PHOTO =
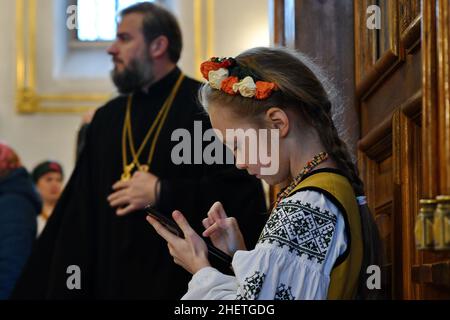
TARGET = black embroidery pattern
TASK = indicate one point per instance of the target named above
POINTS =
(283, 293)
(252, 287)
(303, 229)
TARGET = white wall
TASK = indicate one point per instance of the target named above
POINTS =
(238, 25)
(34, 137)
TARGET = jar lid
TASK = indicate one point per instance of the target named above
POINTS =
(443, 198)
(428, 201)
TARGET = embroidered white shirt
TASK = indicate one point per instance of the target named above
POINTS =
(292, 260)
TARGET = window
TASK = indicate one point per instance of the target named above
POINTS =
(97, 18)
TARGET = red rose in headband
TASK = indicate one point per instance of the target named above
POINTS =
(208, 66)
(264, 89)
(215, 64)
(227, 85)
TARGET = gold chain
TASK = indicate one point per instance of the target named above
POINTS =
(158, 123)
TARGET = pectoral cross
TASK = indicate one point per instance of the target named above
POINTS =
(126, 175)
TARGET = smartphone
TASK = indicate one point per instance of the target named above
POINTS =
(217, 256)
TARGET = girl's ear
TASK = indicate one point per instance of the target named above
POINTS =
(158, 47)
(277, 118)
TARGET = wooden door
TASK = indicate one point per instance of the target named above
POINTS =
(389, 94)
(431, 270)
(401, 96)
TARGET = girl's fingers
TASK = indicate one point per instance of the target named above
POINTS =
(220, 210)
(207, 223)
(162, 231)
(182, 223)
(210, 230)
(216, 212)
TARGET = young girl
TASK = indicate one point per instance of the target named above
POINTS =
(319, 238)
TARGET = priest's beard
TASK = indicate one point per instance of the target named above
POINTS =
(138, 74)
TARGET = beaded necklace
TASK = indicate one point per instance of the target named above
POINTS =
(318, 159)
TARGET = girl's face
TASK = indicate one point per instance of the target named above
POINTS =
(252, 146)
(50, 186)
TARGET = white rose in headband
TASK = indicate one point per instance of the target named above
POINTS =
(246, 87)
(216, 77)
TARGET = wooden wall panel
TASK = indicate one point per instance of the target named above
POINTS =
(277, 22)
(444, 94)
(330, 45)
(430, 178)
(391, 92)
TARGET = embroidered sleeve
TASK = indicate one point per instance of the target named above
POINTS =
(302, 227)
(293, 258)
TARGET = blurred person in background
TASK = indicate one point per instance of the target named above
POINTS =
(19, 206)
(48, 177)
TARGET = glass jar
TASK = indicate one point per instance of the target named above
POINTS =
(424, 224)
(441, 229)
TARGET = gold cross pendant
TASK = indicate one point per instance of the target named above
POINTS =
(126, 175)
(144, 168)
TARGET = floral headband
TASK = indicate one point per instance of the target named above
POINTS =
(227, 75)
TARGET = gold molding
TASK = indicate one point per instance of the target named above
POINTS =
(202, 50)
(198, 37)
(28, 100)
(210, 10)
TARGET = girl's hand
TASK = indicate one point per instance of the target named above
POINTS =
(224, 232)
(191, 253)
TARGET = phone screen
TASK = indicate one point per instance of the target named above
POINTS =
(214, 253)
(165, 221)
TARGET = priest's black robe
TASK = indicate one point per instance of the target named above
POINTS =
(123, 257)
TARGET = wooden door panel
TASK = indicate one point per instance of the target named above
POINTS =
(432, 271)
(410, 18)
(390, 97)
(408, 163)
(376, 167)
(377, 50)
(409, 11)
(402, 91)
(383, 182)
(444, 94)
(395, 88)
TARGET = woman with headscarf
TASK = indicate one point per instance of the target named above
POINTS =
(19, 206)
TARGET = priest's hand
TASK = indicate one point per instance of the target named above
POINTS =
(135, 194)
(223, 231)
(191, 253)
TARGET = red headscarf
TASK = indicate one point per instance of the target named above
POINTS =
(9, 160)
